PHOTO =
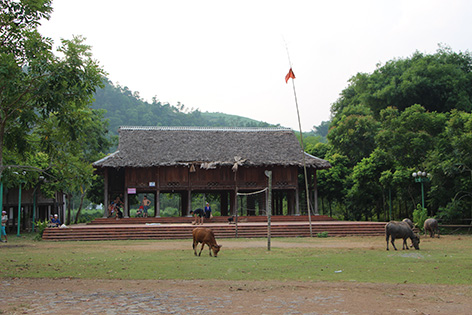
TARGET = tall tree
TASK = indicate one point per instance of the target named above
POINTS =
(34, 83)
(416, 111)
(352, 133)
(439, 82)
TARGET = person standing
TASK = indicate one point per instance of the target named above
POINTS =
(146, 203)
(4, 224)
(208, 214)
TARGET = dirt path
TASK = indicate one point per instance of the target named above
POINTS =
(74, 296)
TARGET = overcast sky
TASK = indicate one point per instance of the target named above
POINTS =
(231, 56)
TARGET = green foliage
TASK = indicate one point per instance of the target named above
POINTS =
(454, 211)
(48, 132)
(40, 227)
(170, 212)
(417, 112)
(89, 216)
(353, 133)
(322, 234)
(439, 82)
(420, 215)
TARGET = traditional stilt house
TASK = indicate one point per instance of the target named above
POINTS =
(222, 161)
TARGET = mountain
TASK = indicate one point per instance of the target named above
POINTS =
(126, 108)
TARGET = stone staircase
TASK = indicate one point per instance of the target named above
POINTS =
(181, 228)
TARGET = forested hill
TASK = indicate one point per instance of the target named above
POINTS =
(126, 108)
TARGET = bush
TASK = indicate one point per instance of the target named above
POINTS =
(170, 212)
(453, 212)
(322, 234)
(89, 216)
(420, 215)
(40, 226)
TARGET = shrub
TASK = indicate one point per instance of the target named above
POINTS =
(420, 215)
(170, 212)
(40, 226)
(322, 234)
(89, 216)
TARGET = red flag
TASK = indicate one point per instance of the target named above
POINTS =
(289, 75)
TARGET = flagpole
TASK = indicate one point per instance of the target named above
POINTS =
(303, 154)
(292, 75)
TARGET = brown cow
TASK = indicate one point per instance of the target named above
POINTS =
(205, 236)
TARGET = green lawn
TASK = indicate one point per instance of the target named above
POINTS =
(447, 260)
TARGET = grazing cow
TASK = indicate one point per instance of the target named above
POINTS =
(205, 236)
(402, 230)
(431, 226)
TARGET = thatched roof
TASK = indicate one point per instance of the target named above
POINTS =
(207, 148)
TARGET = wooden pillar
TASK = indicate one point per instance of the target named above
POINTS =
(189, 202)
(281, 203)
(157, 203)
(106, 202)
(297, 201)
(251, 205)
(126, 205)
(224, 203)
(290, 202)
(184, 208)
(233, 202)
(315, 191)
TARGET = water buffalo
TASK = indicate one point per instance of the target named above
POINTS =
(431, 226)
(205, 236)
(409, 222)
(395, 229)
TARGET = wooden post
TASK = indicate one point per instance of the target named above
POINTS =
(269, 208)
(315, 188)
(106, 202)
(157, 203)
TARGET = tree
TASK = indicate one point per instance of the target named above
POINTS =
(34, 83)
(366, 195)
(439, 82)
(353, 131)
(451, 166)
(46, 124)
(416, 111)
(72, 159)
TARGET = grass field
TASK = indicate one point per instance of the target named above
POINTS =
(447, 260)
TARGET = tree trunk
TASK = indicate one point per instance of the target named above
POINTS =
(80, 206)
(69, 207)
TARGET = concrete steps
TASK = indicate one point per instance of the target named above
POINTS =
(162, 231)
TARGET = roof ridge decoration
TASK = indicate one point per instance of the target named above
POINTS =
(184, 128)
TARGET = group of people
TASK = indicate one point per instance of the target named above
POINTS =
(199, 214)
(114, 209)
(54, 221)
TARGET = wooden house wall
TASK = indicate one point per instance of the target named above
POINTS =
(140, 177)
(172, 177)
(285, 177)
(221, 178)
